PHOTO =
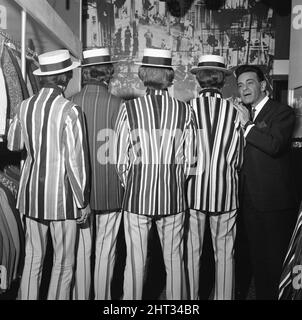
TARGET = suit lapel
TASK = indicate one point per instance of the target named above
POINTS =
(261, 115)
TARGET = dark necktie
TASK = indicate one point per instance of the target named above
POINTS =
(253, 111)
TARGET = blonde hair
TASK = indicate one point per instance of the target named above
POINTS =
(156, 77)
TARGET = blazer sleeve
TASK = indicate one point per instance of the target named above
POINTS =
(190, 141)
(274, 138)
(122, 144)
(15, 140)
(77, 160)
(241, 144)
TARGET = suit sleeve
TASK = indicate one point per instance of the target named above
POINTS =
(274, 138)
(122, 144)
(77, 160)
(191, 144)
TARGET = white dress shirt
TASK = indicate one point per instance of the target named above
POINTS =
(258, 108)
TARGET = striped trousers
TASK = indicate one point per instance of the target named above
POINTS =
(63, 235)
(107, 226)
(81, 284)
(223, 232)
(171, 235)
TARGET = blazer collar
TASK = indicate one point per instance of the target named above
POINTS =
(210, 92)
(265, 109)
(157, 92)
(56, 89)
(96, 83)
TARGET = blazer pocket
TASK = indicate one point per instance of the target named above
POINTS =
(261, 124)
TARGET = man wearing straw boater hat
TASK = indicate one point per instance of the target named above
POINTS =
(213, 191)
(55, 175)
(154, 149)
(100, 108)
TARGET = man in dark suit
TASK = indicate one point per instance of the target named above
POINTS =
(268, 202)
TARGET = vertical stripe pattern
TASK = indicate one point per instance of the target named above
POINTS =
(81, 285)
(35, 247)
(101, 109)
(63, 235)
(55, 176)
(290, 280)
(220, 144)
(137, 228)
(107, 226)
(223, 232)
(154, 149)
(171, 235)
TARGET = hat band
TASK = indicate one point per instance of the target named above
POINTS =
(157, 60)
(211, 64)
(96, 59)
(55, 66)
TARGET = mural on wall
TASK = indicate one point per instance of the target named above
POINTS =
(240, 30)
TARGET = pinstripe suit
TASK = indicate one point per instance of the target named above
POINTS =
(214, 190)
(53, 185)
(100, 109)
(155, 146)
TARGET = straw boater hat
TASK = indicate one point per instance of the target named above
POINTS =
(211, 61)
(96, 56)
(156, 58)
(55, 62)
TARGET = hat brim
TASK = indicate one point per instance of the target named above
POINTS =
(38, 72)
(154, 65)
(104, 62)
(226, 71)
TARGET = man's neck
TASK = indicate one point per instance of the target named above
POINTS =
(258, 101)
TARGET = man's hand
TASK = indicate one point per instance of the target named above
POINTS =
(244, 114)
(85, 213)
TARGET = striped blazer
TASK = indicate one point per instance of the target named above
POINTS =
(55, 176)
(101, 109)
(155, 147)
(214, 188)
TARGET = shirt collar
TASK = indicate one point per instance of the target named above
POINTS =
(260, 105)
(210, 92)
(157, 92)
(56, 88)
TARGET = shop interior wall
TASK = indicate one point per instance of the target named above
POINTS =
(107, 25)
(38, 38)
(70, 11)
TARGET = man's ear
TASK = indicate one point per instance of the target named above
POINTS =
(263, 86)
(63, 77)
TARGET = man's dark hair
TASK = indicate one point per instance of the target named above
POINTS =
(60, 79)
(250, 68)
